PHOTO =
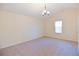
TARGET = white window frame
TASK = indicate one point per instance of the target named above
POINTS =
(58, 26)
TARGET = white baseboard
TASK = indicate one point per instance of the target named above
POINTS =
(19, 42)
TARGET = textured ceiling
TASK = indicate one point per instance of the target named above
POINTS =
(35, 9)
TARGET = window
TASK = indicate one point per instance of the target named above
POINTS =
(58, 26)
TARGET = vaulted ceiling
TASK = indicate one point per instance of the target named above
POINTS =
(35, 9)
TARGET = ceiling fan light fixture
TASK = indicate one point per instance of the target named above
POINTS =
(48, 12)
(45, 11)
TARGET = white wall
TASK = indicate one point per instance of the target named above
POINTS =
(69, 19)
(16, 28)
(78, 29)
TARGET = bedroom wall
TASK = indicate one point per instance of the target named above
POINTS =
(69, 19)
(16, 28)
(78, 29)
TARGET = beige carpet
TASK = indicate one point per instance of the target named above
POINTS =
(42, 47)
